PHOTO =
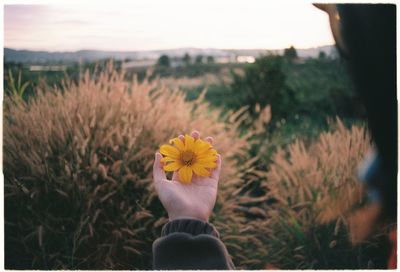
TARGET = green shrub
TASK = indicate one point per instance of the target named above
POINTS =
(263, 83)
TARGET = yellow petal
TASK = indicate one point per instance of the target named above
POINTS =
(204, 158)
(168, 159)
(189, 142)
(208, 153)
(199, 170)
(172, 166)
(210, 165)
(207, 159)
(185, 174)
(178, 143)
(201, 146)
(170, 151)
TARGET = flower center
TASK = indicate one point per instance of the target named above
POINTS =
(187, 157)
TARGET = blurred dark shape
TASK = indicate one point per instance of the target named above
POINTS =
(199, 59)
(164, 61)
(186, 59)
(210, 59)
(368, 32)
(290, 53)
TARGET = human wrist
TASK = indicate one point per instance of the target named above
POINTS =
(184, 217)
(190, 226)
(190, 214)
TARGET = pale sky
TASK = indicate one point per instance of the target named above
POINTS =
(152, 24)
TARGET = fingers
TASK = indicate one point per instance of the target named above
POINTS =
(215, 172)
(209, 139)
(175, 175)
(158, 171)
(195, 134)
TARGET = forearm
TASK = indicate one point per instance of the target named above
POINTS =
(190, 244)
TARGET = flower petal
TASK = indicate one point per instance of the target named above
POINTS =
(207, 159)
(178, 143)
(199, 170)
(210, 165)
(185, 174)
(201, 146)
(170, 151)
(208, 153)
(172, 166)
(168, 159)
(189, 142)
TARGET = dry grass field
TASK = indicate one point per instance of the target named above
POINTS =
(79, 193)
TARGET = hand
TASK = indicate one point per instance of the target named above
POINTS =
(195, 200)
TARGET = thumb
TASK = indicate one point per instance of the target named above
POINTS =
(158, 171)
(215, 173)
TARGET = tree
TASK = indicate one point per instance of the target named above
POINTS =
(164, 61)
(210, 59)
(322, 55)
(199, 59)
(263, 83)
(186, 59)
(290, 53)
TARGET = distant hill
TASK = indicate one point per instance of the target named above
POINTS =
(28, 56)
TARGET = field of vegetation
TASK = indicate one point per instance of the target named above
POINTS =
(79, 148)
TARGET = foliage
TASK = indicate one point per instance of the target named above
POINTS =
(322, 55)
(311, 189)
(290, 53)
(186, 59)
(191, 70)
(316, 89)
(16, 88)
(263, 83)
(210, 59)
(323, 88)
(78, 157)
(199, 59)
(77, 165)
(164, 61)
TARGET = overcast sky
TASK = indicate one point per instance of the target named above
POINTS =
(152, 24)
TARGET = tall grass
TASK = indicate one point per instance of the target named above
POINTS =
(311, 191)
(320, 180)
(79, 193)
(77, 164)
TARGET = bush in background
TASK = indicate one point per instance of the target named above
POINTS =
(263, 83)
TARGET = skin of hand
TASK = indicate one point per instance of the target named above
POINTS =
(195, 200)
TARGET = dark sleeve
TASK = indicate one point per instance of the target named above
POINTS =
(190, 244)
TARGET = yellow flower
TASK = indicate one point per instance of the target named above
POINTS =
(188, 157)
